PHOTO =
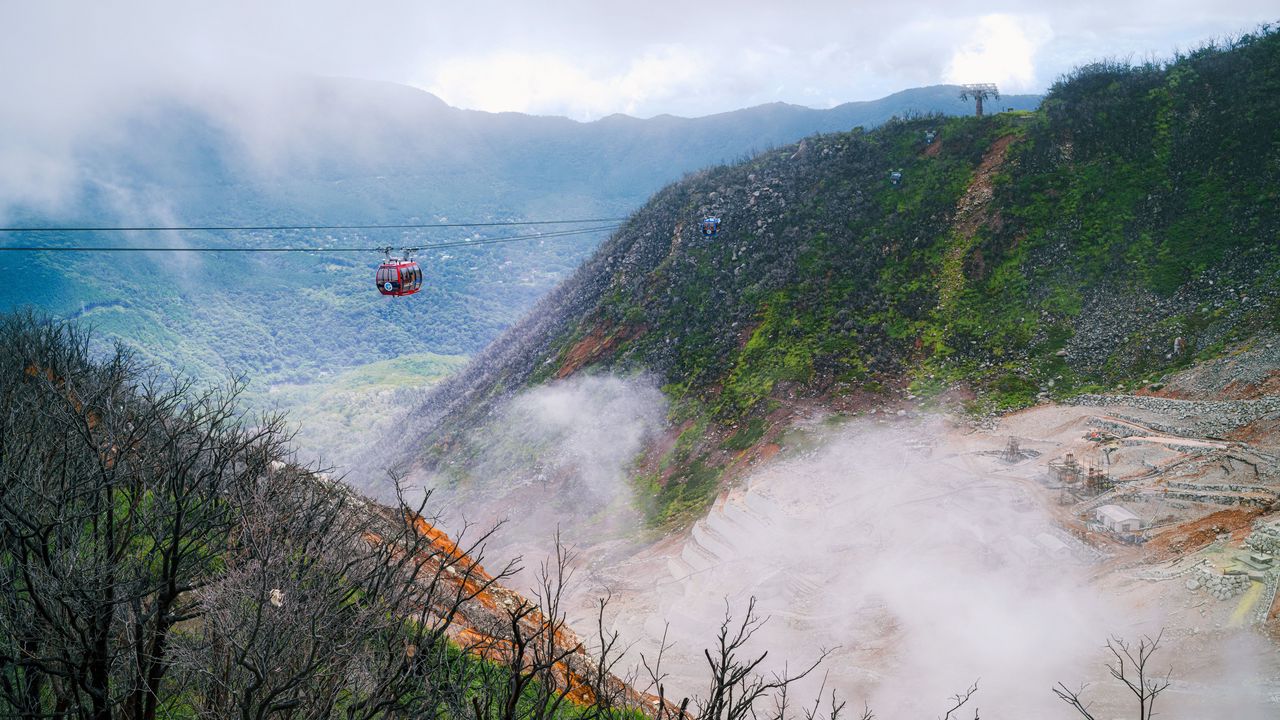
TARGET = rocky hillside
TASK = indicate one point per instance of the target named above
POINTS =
(343, 151)
(1123, 230)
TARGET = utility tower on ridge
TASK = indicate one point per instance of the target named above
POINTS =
(977, 92)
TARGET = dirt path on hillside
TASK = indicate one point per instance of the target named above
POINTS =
(973, 211)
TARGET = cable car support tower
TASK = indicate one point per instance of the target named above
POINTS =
(977, 92)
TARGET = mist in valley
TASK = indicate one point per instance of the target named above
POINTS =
(555, 458)
(899, 547)
(918, 572)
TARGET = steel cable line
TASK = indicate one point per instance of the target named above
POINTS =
(249, 228)
(315, 249)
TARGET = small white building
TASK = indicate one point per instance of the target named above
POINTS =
(1053, 546)
(1117, 519)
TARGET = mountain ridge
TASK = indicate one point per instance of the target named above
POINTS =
(336, 152)
(1115, 236)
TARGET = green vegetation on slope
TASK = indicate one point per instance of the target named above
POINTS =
(348, 152)
(338, 416)
(1125, 228)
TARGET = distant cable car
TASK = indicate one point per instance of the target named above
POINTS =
(895, 177)
(399, 276)
(710, 226)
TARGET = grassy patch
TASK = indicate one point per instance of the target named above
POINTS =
(686, 495)
(748, 434)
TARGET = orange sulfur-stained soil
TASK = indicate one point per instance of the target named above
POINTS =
(600, 342)
(1192, 536)
(485, 624)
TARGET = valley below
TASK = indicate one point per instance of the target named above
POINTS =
(322, 397)
(926, 549)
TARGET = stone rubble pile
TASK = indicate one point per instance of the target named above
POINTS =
(1217, 584)
(1195, 418)
(1265, 537)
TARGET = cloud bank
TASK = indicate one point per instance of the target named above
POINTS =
(81, 78)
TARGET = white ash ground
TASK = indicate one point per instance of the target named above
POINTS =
(930, 561)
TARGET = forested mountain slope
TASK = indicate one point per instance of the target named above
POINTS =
(337, 151)
(1126, 228)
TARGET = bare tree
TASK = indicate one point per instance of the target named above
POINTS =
(657, 683)
(737, 688)
(113, 511)
(959, 700)
(159, 557)
(1130, 666)
(146, 526)
(333, 606)
(546, 667)
(735, 685)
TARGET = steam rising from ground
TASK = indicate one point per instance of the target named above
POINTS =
(926, 566)
(593, 428)
(557, 458)
(926, 574)
(923, 563)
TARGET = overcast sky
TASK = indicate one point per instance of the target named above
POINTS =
(591, 58)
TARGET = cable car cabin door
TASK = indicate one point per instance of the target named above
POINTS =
(387, 279)
(410, 278)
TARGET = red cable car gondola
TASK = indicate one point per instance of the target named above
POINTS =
(398, 276)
